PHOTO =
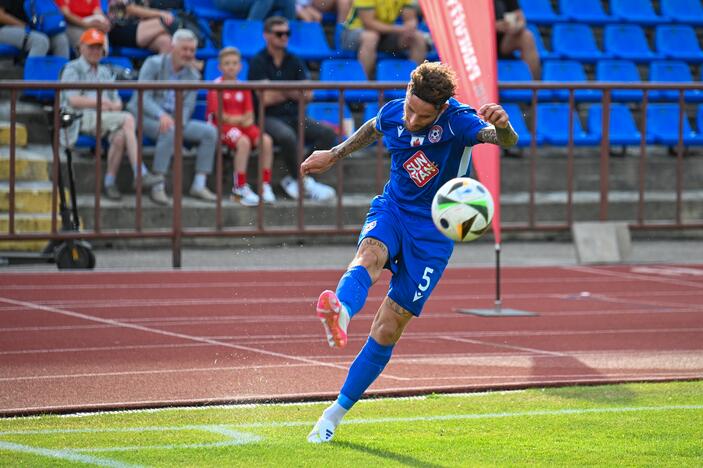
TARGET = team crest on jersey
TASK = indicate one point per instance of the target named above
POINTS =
(420, 168)
(368, 227)
(417, 140)
(435, 134)
(239, 96)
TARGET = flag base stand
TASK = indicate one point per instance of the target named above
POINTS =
(497, 311)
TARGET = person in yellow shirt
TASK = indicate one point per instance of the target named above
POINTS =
(372, 25)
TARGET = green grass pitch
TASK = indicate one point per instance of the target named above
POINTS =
(632, 425)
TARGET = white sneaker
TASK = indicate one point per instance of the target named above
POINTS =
(317, 191)
(323, 431)
(245, 195)
(290, 186)
(267, 194)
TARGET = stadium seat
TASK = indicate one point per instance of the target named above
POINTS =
(569, 71)
(539, 12)
(43, 68)
(516, 70)
(370, 110)
(663, 126)
(517, 120)
(623, 130)
(344, 70)
(8, 51)
(394, 70)
(623, 71)
(678, 42)
(544, 53)
(133, 53)
(212, 71)
(636, 11)
(627, 41)
(308, 41)
(672, 71)
(339, 52)
(699, 119)
(584, 11)
(125, 64)
(553, 123)
(683, 11)
(206, 10)
(245, 35)
(576, 41)
(328, 114)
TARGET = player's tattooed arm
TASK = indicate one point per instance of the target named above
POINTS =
(362, 138)
(504, 137)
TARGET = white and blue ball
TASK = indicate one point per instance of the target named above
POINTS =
(462, 209)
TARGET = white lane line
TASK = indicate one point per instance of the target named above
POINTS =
(504, 346)
(68, 455)
(622, 276)
(156, 331)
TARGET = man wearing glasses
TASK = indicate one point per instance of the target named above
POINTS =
(276, 63)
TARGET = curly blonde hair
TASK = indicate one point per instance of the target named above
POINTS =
(433, 82)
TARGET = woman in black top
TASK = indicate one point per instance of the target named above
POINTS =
(134, 24)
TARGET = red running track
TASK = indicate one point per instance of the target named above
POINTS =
(89, 341)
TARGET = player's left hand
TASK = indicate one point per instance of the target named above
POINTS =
(494, 114)
(318, 162)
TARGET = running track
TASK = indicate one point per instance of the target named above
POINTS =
(107, 340)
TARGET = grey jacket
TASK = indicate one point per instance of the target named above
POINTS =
(159, 68)
(79, 70)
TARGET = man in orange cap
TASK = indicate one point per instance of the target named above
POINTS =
(116, 124)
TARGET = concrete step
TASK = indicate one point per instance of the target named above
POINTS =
(25, 223)
(31, 163)
(6, 133)
(30, 197)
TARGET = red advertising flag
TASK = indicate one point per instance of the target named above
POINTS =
(464, 33)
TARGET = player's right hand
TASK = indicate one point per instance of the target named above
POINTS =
(318, 162)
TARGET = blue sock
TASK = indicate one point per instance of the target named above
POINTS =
(109, 179)
(353, 288)
(368, 365)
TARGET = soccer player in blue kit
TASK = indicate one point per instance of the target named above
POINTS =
(428, 135)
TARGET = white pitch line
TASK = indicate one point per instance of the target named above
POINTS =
(68, 455)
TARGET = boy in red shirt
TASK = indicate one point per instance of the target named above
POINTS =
(239, 131)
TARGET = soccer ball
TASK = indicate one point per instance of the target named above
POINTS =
(462, 209)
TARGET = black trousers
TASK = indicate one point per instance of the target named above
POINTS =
(284, 131)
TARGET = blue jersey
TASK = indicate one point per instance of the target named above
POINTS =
(422, 162)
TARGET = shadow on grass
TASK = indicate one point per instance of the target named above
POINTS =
(387, 455)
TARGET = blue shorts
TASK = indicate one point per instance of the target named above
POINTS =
(417, 252)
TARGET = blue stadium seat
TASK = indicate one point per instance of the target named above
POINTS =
(394, 70)
(212, 71)
(672, 71)
(133, 53)
(517, 70)
(544, 53)
(663, 126)
(636, 11)
(623, 71)
(308, 41)
(553, 123)
(678, 42)
(539, 12)
(199, 111)
(432, 54)
(45, 68)
(341, 53)
(245, 35)
(370, 110)
(683, 11)
(8, 51)
(569, 71)
(584, 11)
(576, 41)
(517, 120)
(328, 114)
(126, 64)
(623, 130)
(344, 70)
(627, 41)
(206, 10)
(699, 119)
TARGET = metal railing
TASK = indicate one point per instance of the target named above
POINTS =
(177, 231)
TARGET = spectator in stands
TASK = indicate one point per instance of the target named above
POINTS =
(115, 123)
(159, 106)
(371, 26)
(81, 15)
(239, 131)
(512, 35)
(14, 32)
(258, 9)
(276, 63)
(312, 10)
(136, 25)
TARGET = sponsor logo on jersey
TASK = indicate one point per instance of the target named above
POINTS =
(368, 227)
(435, 134)
(417, 140)
(420, 168)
